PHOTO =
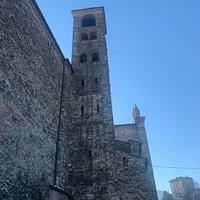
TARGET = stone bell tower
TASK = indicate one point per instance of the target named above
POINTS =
(91, 130)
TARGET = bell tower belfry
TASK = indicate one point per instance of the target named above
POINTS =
(92, 127)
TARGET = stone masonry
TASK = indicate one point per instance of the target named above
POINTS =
(57, 137)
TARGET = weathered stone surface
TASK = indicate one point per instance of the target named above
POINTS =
(30, 88)
(91, 125)
(134, 176)
(57, 138)
(103, 164)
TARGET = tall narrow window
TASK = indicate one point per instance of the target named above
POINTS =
(140, 149)
(83, 83)
(84, 36)
(82, 110)
(97, 108)
(93, 36)
(146, 165)
(95, 80)
(90, 154)
(95, 57)
(125, 162)
(83, 58)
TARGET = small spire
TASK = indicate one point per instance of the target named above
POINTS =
(136, 113)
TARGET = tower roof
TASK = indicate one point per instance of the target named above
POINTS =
(92, 10)
(85, 10)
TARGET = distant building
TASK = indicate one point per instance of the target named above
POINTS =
(183, 188)
(198, 193)
(160, 194)
(167, 196)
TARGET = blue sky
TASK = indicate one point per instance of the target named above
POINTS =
(154, 59)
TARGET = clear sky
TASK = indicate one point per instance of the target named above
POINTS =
(154, 59)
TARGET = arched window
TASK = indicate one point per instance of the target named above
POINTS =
(84, 36)
(83, 58)
(95, 57)
(88, 21)
(93, 36)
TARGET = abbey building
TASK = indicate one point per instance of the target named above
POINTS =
(57, 137)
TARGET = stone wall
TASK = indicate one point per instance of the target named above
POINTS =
(133, 174)
(56, 126)
(31, 67)
(91, 125)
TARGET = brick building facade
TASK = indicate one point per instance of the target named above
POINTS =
(57, 136)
